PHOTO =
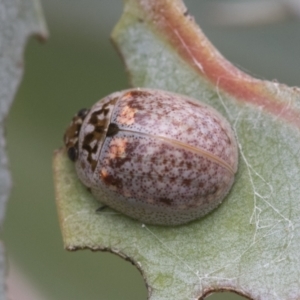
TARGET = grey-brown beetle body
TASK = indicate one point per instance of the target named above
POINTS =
(158, 157)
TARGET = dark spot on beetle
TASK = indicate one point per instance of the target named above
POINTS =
(204, 169)
(166, 201)
(82, 113)
(72, 153)
(135, 101)
(153, 159)
(138, 93)
(173, 179)
(94, 116)
(71, 135)
(112, 130)
(189, 165)
(88, 139)
(186, 13)
(131, 146)
(167, 169)
(106, 105)
(189, 130)
(118, 162)
(110, 180)
(105, 111)
(100, 129)
(160, 178)
(139, 159)
(181, 163)
(94, 119)
(91, 151)
(87, 147)
(187, 182)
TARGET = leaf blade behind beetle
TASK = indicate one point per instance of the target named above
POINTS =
(249, 244)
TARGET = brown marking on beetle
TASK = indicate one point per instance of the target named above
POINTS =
(96, 135)
(123, 154)
(166, 201)
(100, 129)
(189, 165)
(201, 185)
(136, 94)
(94, 118)
(139, 159)
(88, 139)
(132, 111)
(204, 169)
(173, 179)
(187, 182)
(118, 162)
(135, 101)
(112, 181)
(72, 132)
(93, 164)
(189, 130)
(91, 151)
(153, 159)
(100, 122)
(105, 111)
(181, 164)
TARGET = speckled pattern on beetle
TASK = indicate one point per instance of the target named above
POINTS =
(158, 157)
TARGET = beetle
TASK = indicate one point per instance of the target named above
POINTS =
(158, 157)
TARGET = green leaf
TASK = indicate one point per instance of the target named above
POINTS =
(19, 20)
(250, 243)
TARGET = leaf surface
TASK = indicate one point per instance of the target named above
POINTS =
(250, 243)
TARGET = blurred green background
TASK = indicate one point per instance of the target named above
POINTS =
(72, 70)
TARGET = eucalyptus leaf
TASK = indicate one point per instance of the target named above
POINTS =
(250, 243)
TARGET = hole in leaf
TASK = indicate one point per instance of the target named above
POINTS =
(224, 296)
